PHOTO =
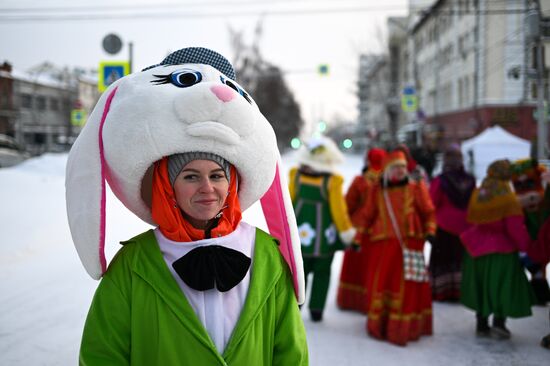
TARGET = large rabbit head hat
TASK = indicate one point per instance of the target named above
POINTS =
(188, 102)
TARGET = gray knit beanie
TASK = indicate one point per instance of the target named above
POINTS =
(177, 162)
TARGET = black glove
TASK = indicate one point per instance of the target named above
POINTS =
(431, 239)
(528, 263)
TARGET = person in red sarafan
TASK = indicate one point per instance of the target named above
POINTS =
(352, 290)
(401, 216)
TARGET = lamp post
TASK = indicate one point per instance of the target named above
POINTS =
(534, 32)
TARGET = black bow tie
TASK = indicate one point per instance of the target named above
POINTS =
(213, 265)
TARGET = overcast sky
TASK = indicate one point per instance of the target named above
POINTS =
(298, 35)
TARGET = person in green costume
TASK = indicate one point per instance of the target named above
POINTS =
(186, 149)
(321, 214)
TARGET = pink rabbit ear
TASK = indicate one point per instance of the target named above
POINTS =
(281, 222)
(85, 191)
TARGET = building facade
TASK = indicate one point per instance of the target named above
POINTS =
(36, 106)
(470, 65)
(373, 96)
(7, 105)
(472, 58)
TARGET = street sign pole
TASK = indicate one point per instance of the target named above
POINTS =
(541, 123)
(130, 56)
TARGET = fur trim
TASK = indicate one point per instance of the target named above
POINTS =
(321, 154)
(348, 236)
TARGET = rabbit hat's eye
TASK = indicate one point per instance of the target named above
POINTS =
(180, 78)
(237, 88)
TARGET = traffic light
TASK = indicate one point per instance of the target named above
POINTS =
(323, 69)
(295, 143)
(321, 126)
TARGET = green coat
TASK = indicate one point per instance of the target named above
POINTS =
(140, 316)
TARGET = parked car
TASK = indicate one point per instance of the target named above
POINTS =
(10, 152)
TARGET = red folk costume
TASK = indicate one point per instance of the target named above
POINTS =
(400, 301)
(352, 290)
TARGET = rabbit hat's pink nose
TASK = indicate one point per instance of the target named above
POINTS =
(223, 92)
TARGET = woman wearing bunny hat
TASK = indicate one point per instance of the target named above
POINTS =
(175, 143)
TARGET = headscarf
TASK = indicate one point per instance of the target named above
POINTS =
(456, 183)
(494, 200)
(374, 159)
(169, 218)
(396, 157)
(411, 163)
(527, 176)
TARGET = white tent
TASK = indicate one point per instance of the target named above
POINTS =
(492, 144)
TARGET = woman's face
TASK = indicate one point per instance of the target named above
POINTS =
(398, 172)
(201, 189)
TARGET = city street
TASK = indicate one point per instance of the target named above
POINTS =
(45, 292)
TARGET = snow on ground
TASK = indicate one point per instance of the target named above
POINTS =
(45, 292)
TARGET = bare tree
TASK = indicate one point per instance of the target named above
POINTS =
(265, 83)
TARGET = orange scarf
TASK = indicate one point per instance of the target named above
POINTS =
(169, 218)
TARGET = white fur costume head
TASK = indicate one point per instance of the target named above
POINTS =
(161, 111)
(321, 154)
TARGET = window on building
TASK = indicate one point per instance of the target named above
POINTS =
(54, 104)
(39, 138)
(447, 102)
(40, 103)
(26, 101)
(460, 94)
(467, 93)
(462, 46)
(4, 94)
(545, 31)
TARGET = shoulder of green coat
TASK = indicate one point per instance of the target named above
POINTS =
(266, 239)
(126, 255)
(146, 235)
(271, 245)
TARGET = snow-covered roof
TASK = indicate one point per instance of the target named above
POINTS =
(38, 78)
(48, 77)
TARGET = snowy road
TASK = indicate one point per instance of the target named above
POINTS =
(45, 292)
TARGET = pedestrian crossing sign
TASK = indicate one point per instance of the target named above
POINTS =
(409, 100)
(111, 71)
(78, 117)
(409, 103)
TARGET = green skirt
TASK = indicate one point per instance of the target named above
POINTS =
(496, 284)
